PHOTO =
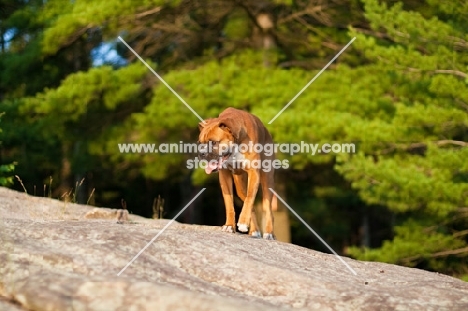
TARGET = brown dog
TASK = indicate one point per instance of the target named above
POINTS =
(224, 142)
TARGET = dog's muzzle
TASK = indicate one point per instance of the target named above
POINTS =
(214, 160)
(208, 152)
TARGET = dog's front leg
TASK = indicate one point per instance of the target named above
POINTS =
(225, 180)
(252, 188)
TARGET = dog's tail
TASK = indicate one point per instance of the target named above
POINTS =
(274, 203)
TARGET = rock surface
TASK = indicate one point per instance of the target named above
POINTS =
(54, 258)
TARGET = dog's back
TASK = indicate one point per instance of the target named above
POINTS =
(249, 121)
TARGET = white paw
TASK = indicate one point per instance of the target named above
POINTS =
(242, 227)
(256, 234)
(229, 229)
(269, 236)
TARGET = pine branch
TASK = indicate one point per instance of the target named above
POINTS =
(459, 251)
(307, 11)
(460, 233)
(453, 72)
(149, 12)
(440, 143)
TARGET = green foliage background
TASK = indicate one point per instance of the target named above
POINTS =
(399, 93)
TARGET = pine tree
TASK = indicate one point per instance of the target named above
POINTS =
(413, 154)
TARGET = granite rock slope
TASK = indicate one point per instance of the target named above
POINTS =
(62, 256)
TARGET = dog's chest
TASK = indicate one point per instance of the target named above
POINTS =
(236, 163)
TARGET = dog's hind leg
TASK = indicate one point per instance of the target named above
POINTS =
(240, 181)
(254, 229)
(267, 182)
(225, 180)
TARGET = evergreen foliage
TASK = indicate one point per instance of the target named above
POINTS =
(399, 93)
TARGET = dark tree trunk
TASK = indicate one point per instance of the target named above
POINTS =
(64, 186)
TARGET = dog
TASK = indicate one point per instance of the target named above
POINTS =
(220, 142)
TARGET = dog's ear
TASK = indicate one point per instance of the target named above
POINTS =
(235, 127)
(202, 125)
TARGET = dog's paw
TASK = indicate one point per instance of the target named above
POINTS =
(269, 236)
(256, 234)
(229, 229)
(242, 227)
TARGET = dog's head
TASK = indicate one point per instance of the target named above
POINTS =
(217, 140)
